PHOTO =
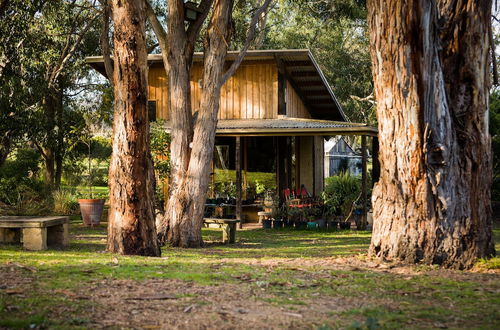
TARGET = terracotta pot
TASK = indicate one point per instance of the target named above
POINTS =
(91, 210)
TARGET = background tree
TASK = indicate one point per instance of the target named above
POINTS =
(62, 38)
(430, 70)
(16, 95)
(131, 222)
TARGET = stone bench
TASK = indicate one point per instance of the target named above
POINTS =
(36, 233)
(228, 228)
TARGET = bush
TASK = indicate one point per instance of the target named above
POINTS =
(21, 192)
(340, 194)
(65, 202)
(24, 196)
(23, 164)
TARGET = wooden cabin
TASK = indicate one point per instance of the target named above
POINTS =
(274, 114)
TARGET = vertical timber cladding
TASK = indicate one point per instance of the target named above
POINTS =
(295, 108)
(158, 90)
(252, 93)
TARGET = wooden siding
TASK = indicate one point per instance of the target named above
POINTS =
(252, 93)
(295, 108)
(157, 90)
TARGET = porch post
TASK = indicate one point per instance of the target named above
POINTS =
(281, 165)
(375, 161)
(238, 181)
(363, 182)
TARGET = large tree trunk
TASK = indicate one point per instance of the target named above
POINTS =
(430, 69)
(131, 226)
(190, 176)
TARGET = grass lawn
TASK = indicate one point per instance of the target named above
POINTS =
(268, 279)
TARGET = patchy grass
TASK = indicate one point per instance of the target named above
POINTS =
(283, 278)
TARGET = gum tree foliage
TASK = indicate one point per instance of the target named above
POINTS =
(16, 94)
(66, 33)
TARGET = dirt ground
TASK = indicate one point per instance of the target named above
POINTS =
(176, 304)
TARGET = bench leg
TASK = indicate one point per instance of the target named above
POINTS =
(35, 238)
(225, 233)
(10, 235)
(232, 233)
(58, 235)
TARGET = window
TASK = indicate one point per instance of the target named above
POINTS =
(152, 111)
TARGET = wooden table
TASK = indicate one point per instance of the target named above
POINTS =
(36, 233)
(228, 228)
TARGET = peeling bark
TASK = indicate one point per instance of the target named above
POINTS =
(430, 68)
(131, 224)
(190, 178)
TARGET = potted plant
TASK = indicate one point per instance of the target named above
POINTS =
(293, 216)
(92, 207)
(278, 216)
(310, 215)
(320, 218)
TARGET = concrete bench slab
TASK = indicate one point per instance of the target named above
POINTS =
(36, 233)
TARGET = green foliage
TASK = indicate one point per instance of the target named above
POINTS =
(260, 188)
(160, 148)
(21, 191)
(65, 202)
(24, 163)
(340, 194)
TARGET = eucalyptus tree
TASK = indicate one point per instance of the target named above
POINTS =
(193, 138)
(131, 222)
(432, 80)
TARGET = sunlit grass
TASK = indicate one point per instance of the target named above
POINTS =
(287, 262)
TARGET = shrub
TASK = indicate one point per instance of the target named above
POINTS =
(65, 202)
(24, 196)
(340, 194)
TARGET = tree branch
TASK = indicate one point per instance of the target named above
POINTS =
(104, 40)
(70, 53)
(250, 37)
(159, 31)
(493, 56)
(195, 27)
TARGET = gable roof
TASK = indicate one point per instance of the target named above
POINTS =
(297, 65)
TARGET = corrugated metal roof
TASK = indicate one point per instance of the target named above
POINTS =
(289, 127)
(297, 65)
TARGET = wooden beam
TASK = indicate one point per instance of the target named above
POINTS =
(238, 180)
(363, 183)
(281, 176)
(299, 63)
(322, 92)
(310, 83)
(281, 94)
(375, 160)
(304, 74)
(288, 77)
